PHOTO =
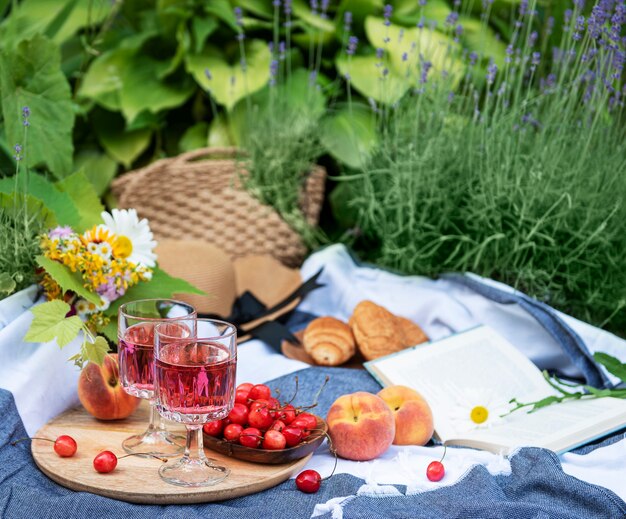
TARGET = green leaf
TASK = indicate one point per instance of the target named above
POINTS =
(67, 280)
(123, 146)
(202, 27)
(366, 77)
(229, 83)
(439, 49)
(350, 135)
(31, 76)
(220, 134)
(612, 365)
(85, 199)
(50, 323)
(110, 330)
(33, 207)
(302, 10)
(95, 351)
(545, 402)
(58, 203)
(259, 7)
(98, 168)
(195, 137)
(162, 285)
(60, 18)
(7, 284)
(223, 10)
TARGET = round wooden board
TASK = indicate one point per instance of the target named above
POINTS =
(296, 352)
(136, 479)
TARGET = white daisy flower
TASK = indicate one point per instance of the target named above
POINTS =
(133, 238)
(82, 307)
(477, 408)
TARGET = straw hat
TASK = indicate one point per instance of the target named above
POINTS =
(210, 269)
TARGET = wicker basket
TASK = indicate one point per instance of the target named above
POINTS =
(198, 195)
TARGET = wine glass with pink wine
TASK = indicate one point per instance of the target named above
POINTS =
(136, 323)
(194, 383)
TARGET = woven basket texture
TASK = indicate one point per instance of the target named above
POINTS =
(199, 195)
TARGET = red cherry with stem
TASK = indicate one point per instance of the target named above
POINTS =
(65, 446)
(435, 470)
(105, 462)
(292, 435)
(309, 481)
(250, 437)
(232, 432)
(274, 440)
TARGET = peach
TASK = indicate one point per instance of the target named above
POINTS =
(413, 417)
(101, 393)
(361, 426)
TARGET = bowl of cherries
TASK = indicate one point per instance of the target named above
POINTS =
(262, 430)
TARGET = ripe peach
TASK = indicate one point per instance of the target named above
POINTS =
(100, 391)
(413, 417)
(361, 426)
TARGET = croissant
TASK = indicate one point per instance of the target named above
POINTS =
(378, 332)
(329, 341)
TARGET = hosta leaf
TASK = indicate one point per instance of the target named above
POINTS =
(162, 285)
(67, 280)
(85, 199)
(49, 322)
(350, 135)
(98, 167)
(195, 137)
(433, 46)
(31, 76)
(123, 146)
(366, 77)
(229, 83)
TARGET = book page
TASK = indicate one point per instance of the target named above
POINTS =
(460, 372)
(559, 427)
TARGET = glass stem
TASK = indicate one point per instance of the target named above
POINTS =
(197, 454)
(156, 423)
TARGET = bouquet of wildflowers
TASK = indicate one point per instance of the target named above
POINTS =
(109, 258)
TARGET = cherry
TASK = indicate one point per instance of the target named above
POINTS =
(435, 470)
(260, 418)
(239, 414)
(286, 414)
(274, 407)
(106, 461)
(250, 437)
(213, 428)
(274, 441)
(246, 386)
(292, 435)
(232, 432)
(309, 421)
(241, 396)
(308, 481)
(278, 425)
(65, 446)
(259, 404)
(260, 391)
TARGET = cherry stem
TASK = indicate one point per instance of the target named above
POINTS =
(332, 449)
(164, 460)
(444, 452)
(295, 391)
(34, 438)
(320, 390)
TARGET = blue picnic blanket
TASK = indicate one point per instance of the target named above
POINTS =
(537, 487)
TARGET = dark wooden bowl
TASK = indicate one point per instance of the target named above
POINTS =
(277, 457)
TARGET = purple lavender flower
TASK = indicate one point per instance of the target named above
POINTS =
(492, 69)
(452, 18)
(60, 232)
(380, 53)
(426, 66)
(523, 7)
(405, 56)
(387, 10)
(287, 7)
(313, 77)
(314, 6)
(509, 53)
(276, 3)
(536, 58)
(579, 4)
(324, 8)
(532, 38)
(458, 30)
(353, 41)
(25, 116)
(450, 97)
(273, 71)
(281, 50)
(385, 72)
(347, 21)
(420, 24)
(473, 57)
(422, 3)
(208, 74)
(567, 16)
(238, 16)
(579, 28)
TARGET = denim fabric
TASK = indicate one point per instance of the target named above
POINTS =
(569, 340)
(536, 488)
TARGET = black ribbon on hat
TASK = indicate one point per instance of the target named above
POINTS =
(247, 308)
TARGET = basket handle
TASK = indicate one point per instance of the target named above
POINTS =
(189, 156)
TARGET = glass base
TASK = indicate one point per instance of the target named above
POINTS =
(156, 442)
(188, 472)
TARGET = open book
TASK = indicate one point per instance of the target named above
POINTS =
(468, 380)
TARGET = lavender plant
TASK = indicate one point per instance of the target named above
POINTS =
(512, 170)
